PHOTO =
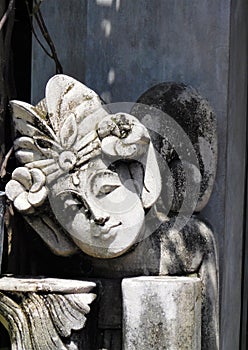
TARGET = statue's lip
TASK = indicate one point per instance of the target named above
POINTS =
(106, 228)
(104, 231)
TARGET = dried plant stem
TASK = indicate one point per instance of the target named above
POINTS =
(37, 15)
(5, 162)
(5, 16)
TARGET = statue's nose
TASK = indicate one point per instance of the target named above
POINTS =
(98, 216)
(100, 220)
(96, 213)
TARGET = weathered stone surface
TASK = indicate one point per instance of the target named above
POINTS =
(67, 146)
(197, 119)
(51, 285)
(161, 313)
(43, 313)
(95, 181)
(168, 251)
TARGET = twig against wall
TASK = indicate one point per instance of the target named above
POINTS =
(37, 15)
(6, 14)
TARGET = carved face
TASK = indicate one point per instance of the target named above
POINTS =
(103, 212)
(99, 171)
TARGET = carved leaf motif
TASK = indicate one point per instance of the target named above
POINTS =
(67, 311)
(28, 156)
(43, 321)
(47, 146)
(65, 94)
(42, 107)
(28, 122)
(26, 129)
(68, 132)
(39, 145)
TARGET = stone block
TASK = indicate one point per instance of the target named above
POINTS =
(44, 313)
(161, 313)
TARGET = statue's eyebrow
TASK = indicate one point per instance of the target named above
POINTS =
(105, 178)
(78, 195)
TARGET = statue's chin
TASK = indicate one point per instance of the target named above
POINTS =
(111, 244)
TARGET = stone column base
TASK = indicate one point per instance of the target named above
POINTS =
(161, 313)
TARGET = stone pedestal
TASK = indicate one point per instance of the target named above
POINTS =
(43, 313)
(161, 313)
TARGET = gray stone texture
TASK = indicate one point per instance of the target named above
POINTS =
(132, 45)
(197, 119)
(175, 253)
(161, 313)
(44, 313)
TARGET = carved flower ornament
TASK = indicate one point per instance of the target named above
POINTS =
(65, 134)
(26, 189)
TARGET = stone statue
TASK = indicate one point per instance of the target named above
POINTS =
(61, 147)
(88, 178)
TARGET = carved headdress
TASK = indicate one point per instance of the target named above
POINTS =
(59, 136)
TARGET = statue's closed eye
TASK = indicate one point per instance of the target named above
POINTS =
(106, 189)
(72, 202)
(75, 204)
(104, 182)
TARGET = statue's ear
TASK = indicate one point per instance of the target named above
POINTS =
(152, 179)
(147, 175)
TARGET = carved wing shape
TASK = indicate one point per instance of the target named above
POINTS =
(46, 320)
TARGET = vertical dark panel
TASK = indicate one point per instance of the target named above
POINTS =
(244, 314)
(2, 87)
(19, 75)
(21, 50)
(235, 177)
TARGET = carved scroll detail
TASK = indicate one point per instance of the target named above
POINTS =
(38, 321)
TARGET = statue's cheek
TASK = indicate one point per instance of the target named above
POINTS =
(120, 201)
